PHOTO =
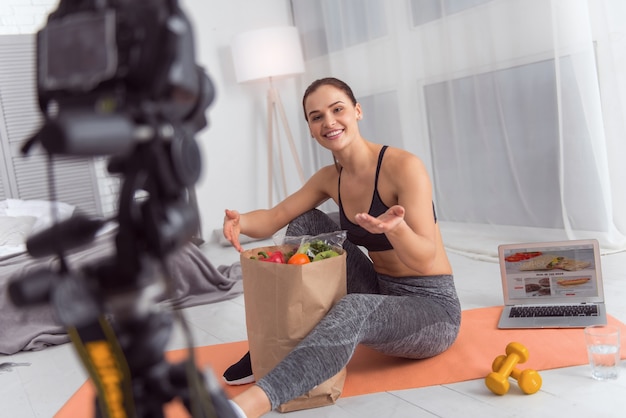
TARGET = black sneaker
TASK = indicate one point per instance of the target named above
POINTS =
(240, 373)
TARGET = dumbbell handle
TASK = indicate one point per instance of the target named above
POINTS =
(497, 363)
(507, 364)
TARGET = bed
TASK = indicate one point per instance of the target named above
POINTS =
(194, 279)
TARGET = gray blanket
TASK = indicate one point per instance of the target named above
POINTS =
(194, 281)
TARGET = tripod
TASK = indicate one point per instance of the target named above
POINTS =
(110, 307)
(141, 102)
(275, 109)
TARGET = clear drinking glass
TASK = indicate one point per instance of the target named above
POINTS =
(603, 348)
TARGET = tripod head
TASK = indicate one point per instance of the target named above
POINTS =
(118, 78)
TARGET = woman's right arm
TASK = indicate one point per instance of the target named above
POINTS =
(262, 223)
(256, 224)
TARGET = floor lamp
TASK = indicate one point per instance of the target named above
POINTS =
(265, 54)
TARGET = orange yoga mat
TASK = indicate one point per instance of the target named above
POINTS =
(469, 358)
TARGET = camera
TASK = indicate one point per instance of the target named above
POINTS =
(120, 64)
(118, 78)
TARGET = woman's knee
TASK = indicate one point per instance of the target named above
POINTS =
(357, 305)
(312, 222)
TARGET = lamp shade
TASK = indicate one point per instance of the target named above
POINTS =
(270, 52)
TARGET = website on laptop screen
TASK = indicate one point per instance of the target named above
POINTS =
(551, 272)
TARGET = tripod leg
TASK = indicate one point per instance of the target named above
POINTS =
(292, 146)
(270, 140)
(201, 393)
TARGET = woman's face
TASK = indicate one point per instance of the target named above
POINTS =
(331, 116)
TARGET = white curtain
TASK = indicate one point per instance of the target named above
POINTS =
(516, 106)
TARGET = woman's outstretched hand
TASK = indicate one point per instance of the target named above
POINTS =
(232, 229)
(384, 223)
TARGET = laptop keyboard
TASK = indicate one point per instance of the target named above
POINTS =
(548, 311)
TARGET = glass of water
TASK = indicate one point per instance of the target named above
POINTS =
(603, 348)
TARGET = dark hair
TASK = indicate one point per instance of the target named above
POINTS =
(328, 81)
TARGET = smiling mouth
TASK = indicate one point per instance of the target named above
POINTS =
(333, 134)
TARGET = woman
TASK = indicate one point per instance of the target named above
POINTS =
(401, 299)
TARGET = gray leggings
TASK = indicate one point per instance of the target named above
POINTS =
(413, 317)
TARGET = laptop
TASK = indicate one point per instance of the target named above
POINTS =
(551, 285)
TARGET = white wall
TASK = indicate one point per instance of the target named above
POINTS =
(23, 16)
(233, 146)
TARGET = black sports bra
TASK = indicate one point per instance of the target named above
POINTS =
(357, 234)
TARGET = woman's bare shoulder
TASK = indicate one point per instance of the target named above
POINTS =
(401, 162)
(327, 172)
(325, 180)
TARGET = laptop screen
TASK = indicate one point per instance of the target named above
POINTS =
(551, 272)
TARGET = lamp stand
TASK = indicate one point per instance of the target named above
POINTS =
(274, 110)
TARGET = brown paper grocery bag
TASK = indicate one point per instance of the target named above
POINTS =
(283, 303)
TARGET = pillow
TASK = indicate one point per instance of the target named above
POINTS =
(15, 229)
(40, 209)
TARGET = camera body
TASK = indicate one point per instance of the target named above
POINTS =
(114, 73)
(127, 51)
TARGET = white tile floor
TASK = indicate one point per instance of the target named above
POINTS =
(41, 389)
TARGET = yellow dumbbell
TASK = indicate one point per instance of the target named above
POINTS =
(528, 380)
